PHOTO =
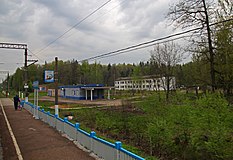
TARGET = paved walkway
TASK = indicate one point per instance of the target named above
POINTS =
(36, 140)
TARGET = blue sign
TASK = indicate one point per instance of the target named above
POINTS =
(49, 76)
(35, 85)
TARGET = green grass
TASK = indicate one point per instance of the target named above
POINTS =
(177, 128)
(31, 95)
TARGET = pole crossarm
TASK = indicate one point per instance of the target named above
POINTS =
(33, 62)
(13, 46)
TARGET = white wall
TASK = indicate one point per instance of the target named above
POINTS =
(145, 84)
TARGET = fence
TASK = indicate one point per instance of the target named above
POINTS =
(100, 147)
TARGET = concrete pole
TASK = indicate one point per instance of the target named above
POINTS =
(37, 98)
(56, 87)
(34, 103)
(26, 75)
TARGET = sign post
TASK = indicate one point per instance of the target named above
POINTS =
(26, 87)
(51, 76)
(36, 88)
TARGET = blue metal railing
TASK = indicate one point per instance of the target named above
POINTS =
(90, 141)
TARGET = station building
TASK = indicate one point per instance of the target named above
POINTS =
(84, 92)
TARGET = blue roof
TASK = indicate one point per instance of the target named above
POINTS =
(82, 85)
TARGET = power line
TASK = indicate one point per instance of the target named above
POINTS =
(146, 46)
(74, 26)
(141, 44)
(149, 43)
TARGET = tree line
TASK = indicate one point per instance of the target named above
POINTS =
(211, 50)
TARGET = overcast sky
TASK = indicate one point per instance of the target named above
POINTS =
(118, 24)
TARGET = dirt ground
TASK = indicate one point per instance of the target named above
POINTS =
(100, 103)
(36, 140)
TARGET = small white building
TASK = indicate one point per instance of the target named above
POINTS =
(84, 92)
(149, 83)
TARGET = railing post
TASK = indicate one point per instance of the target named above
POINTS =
(77, 125)
(92, 135)
(118, 146)
(38, 115)
(56, 116)
(47, 120)
(65, 120)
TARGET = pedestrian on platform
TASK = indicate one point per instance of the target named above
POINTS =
(16, 101)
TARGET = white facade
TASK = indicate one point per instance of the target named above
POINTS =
(150, 83)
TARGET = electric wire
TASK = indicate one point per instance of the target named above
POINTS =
(126, 49)
(75, 25)
(35, 55)
(114, 7)
(146, 46)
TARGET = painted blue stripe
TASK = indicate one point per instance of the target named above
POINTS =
(104, 142)
(71, 124)
(96, 138)
(79, 86)
(60, 119)
(51, 115)
(83, 132)
(131, 154)
(80, 97)
(73, 97)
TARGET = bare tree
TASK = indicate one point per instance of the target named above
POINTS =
(166, 56)
(190, 13)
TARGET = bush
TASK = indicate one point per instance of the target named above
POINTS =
(186, 129)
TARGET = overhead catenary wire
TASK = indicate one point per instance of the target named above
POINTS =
(35, 55)
(114, 7)
(75, 25)
(127, 49)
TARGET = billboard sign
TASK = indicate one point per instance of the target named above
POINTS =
(48, 76)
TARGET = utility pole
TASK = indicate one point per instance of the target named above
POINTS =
(56, 86)
(8, 78)
(21, 46)
(26, 75)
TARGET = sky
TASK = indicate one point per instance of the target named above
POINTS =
(119, 24)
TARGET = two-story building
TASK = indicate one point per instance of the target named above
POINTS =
(150, 83)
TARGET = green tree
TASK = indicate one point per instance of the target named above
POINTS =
(224, 46)
(199, 13)
(166, 56)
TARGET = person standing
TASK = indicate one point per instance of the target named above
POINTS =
(16, 101)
